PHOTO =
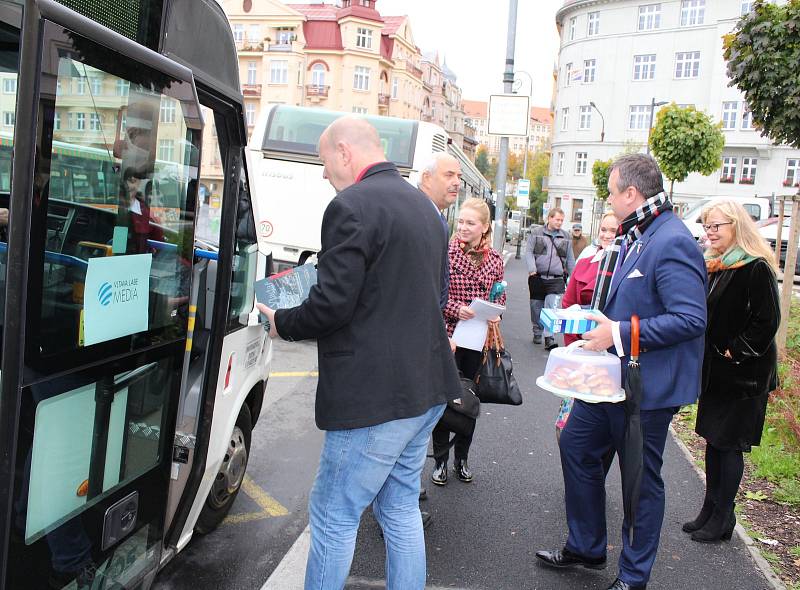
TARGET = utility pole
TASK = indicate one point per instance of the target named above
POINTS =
(502, 161)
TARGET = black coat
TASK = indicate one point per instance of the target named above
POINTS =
(743, 317)
(382, 345)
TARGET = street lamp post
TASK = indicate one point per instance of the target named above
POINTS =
(602, 120)
(653, 105)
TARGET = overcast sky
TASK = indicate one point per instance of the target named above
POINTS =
(472, 35)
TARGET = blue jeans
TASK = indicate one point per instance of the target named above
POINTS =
(379, 465)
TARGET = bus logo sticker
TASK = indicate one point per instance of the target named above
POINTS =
(105, 294)
(265, 229)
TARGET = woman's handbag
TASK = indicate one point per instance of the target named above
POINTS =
(468, 404)
(495, 379)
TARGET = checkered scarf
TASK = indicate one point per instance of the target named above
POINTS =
(630, 230)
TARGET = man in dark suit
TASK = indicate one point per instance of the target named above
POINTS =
(655, 270)
(385, 366)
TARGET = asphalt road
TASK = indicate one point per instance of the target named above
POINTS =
(484, 534)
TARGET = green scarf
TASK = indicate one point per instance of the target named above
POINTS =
(733, 258)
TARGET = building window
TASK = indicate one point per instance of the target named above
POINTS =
(361, 78)
(687, 64)
(57, 121)
(644, 67)
(58, 87)
(394, 88)
(585, 120)
(252, 72)
(97, 85)
(746, 7)
(748, 171)
(238, 33)
(639, 116)
(254, 33)
(279, 71)
(80, 86)
(8, 118)
(80, 119)
(567, 73)
(285, 36)
(577, 210)
(693, 12)
(250, 114)
(564, 118)
(166, 150)
(792, 172)
(318, 75)
(589, 69)
(649, 17)
(561, 157)
(94, 122)
(167, 110)
(747, 118)
(363, 38)
(593, 26)
(9, 85)
(360, 110)
(573, 25)
(728, 169)
(123, 87)
(581, 162)
(729, 111)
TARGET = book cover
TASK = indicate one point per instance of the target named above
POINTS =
(286, 289)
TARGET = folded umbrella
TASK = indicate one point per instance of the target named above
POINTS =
(633, 445)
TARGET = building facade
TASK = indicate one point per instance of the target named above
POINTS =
(617, 58)
(539, 130)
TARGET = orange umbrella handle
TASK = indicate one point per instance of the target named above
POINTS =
(635, 336)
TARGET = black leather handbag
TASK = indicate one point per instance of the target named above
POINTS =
(468, 404)
(495, 380)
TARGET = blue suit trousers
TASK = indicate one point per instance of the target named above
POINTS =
(591, 431)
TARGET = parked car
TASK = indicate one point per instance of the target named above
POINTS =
(769, 230)
(759, 208)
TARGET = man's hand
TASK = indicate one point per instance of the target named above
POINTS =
(270, 313)
(465, 313)
(601, 338)
(532, 274)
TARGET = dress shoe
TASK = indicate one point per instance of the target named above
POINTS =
(423, 494)
(439, 475)
(718, 528)
(620, 585)
(566, 558)
(701, 520)
(537, 338)
(462, 470)
(550, 343)
(427, 518)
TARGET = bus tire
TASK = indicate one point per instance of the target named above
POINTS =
(229, 479)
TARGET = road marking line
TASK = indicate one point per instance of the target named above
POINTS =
(270, 507)
(295, 374)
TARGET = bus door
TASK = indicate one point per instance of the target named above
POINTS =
(96, 300)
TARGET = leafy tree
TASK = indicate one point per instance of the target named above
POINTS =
(482, 160)
(763, 53)
(600, 170)
(686, 140)
(538, 168)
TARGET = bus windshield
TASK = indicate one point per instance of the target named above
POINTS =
(294, 130)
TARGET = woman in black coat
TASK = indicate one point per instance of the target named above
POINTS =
(740, 363)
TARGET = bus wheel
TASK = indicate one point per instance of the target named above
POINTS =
(230, 476)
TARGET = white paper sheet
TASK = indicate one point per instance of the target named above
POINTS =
(472, 333)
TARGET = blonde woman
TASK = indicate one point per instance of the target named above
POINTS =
(740, 362)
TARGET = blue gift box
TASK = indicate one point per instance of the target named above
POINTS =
(567, 321)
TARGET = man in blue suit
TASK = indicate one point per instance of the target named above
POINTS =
(654, 270)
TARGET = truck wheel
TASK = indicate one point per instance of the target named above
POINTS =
(230, 476)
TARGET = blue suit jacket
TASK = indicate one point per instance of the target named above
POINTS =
(670, 299)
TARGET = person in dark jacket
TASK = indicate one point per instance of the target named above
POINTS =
(385, 365)
(740, 361)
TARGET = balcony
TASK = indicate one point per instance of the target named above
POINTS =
(383, 100)
(317, 92)
(414, 70)
(249, 46)
(280, 46)
(251, 89)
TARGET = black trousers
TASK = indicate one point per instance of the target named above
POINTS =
(463, 427)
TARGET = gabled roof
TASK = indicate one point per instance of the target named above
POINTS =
(391, 24)
(544, 115)
(322, 34)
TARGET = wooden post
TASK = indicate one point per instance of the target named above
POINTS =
(788, 273)
(781, 206)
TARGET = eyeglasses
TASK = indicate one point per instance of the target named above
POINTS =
(714, 227)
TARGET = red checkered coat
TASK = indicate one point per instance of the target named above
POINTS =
(468, 282)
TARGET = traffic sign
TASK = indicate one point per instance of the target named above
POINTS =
(523, 193)
(509, 115)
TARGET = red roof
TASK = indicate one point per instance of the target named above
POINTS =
(387, 47)
(544, 115)
(322, 34)
(392, 23)
(316, 11)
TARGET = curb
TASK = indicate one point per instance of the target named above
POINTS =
(762, 564)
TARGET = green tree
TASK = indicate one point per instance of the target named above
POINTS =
(538, 168)
(600, 170)
(482, 160)
(685, 140)
(763, 53)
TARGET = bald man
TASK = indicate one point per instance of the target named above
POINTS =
(385, 366)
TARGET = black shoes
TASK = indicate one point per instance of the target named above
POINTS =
(439, 475)
(718, 528)
(462, 470)
(537, 338)
(550, 343)
(701, 520)
(565, 558)
(620, 585)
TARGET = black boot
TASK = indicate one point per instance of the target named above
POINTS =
(462, 470)
(439, 475)
(702, 518)
(718, 528)
(550, 343)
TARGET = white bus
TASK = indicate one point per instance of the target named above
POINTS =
(287, 177)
